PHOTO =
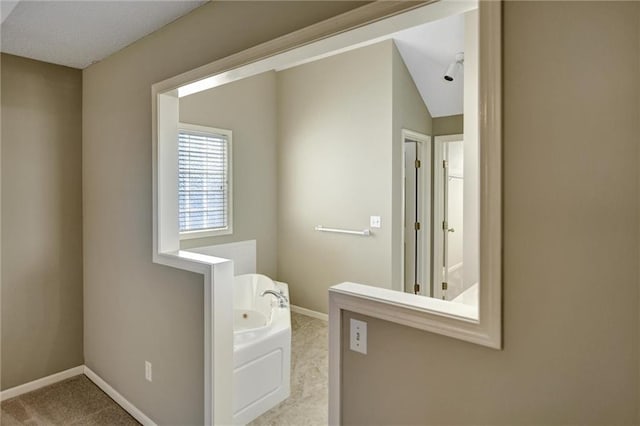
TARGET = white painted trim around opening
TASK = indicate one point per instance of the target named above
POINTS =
(117, 397)
(40, 383)
(363, 26)
(309, 313)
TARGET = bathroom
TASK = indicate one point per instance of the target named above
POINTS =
(285, 214)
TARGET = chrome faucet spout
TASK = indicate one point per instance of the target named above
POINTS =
(282, 299)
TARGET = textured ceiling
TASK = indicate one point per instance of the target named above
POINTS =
(78, 33)
(427, 50)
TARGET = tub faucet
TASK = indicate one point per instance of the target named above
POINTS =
(282, 299)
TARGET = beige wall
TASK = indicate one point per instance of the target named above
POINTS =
(248, 108)
(41, 220)
(334, 170)
(317, 125)
(449, 125)
(571, 245)
(136, 310)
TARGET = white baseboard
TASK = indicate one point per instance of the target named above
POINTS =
(309, 313)
(40, 383)
(76, 371)
(121, 400)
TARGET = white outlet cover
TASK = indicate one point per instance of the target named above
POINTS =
(358, 336)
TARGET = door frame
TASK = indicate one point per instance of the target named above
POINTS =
(424, 146)
(438, 156)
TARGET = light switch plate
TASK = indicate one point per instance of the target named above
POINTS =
(358, 336)
(148, 372)
(375, 222)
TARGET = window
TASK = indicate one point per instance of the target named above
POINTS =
(204, 181)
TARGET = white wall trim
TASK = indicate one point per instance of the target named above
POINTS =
(40, 383)
(309, 313)
(117, 397)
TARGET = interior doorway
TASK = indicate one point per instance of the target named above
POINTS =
(448, 216)
(416, 204)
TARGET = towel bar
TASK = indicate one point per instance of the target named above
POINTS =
(365, 232)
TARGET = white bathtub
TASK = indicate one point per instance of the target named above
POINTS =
(469, 296)
(261, 347)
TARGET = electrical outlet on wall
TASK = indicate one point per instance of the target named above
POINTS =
(148, 372)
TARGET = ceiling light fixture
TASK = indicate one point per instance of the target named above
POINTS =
(454, 67)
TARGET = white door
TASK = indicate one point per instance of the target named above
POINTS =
(448, 217)
(416, 205)
(411, 198)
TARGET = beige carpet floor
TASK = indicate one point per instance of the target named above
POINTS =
(75, 401)
(308, 403)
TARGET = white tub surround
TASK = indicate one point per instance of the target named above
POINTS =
(243, 254)
(261, 347)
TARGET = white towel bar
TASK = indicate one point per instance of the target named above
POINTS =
(365, 232)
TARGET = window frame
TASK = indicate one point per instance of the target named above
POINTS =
(212, 232)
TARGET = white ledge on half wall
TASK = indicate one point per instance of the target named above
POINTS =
(198, 257)
(408, 301)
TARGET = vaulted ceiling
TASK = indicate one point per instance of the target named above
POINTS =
(427, 51)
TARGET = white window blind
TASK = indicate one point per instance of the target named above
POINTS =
(203, 180)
